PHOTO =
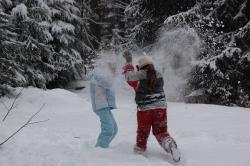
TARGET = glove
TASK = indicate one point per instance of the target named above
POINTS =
(128, 67)
(128, 56)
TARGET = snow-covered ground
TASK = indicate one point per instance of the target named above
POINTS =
(208, 135)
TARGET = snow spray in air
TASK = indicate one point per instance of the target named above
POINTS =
(111, 62)
(174, 54)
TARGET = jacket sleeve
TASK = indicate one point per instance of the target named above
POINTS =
(100, 78)
(132, 76)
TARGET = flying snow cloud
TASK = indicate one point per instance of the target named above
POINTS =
(174, 54)
(111, 62)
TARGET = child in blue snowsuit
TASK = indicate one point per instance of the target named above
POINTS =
(103, 101)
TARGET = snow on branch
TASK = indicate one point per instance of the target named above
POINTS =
(20, 11)
(183, 17)
(60, 26)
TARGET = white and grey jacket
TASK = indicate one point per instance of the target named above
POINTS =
(101, 90)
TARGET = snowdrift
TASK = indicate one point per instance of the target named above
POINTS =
(208, 135)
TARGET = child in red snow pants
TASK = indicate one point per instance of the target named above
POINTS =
(155, 118)
(150, 98)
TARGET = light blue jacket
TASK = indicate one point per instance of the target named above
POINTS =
(101, 90)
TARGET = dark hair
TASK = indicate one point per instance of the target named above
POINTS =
(151, 77)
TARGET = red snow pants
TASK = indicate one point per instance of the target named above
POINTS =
(157, 119)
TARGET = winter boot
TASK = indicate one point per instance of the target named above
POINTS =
(138, 150)
(170, 147)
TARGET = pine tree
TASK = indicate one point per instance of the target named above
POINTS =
(145, 17)
(87, 40)
(43, 43)
(117, 20)
(32, 23)
(222, 71)
(72, 40)
(8, 47)
(110, 23)
(23, 50)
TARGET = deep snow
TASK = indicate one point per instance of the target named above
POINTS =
(208, 135)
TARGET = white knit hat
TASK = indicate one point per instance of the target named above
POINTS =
(145, 60)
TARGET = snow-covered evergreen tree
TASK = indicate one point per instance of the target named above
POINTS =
(65, 19)
(111, 23)
(118, 21)
(221, 72)
(145, 17)
(8, 47)
(86, 36)
(42, 42)
(139, 23)
(25, 54)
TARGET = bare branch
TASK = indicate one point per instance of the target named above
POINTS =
(13, 104)
(41, 121)
(24, 125)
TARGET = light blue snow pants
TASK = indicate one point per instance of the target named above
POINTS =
(108, 128)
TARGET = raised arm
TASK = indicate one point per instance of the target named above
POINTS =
(132, 76)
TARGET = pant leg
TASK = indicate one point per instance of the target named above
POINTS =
(108, 128)
(115, 125)
(159, 125)
(143, 129)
